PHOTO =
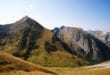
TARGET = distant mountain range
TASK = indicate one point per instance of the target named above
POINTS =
(65, 46)
(103, 36)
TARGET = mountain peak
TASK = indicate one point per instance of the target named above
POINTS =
(25, 22)
(26, 18)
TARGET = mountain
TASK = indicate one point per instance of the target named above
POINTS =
(65, 46)
(29, 40)
(83, 44)
(11, 63)
(103, 36)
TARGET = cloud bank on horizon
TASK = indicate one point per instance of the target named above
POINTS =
(86, 14)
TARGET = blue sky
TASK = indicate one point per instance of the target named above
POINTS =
(86, 14)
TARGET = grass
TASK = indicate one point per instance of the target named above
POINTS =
(99, 69)
(24, 73)
(80, 71)
(44, 55)
(62, 71)
(57, 58)
(87, 72)
(10, 63)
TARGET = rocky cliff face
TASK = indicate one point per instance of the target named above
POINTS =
(83, 44)
(103, 36)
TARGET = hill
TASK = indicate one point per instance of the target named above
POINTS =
(10, 63)
(98, 69)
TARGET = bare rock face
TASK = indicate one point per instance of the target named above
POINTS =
(74, 36)
(101, 35)
(104, 36)
(84, 44)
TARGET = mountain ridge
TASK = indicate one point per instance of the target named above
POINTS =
(29, 40)
(88, 44)
(32, 42)
(101, 35)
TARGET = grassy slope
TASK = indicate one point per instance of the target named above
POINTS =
(57, 57)
(24, 73)
(40, 56)
(88, 70)
(10, 64)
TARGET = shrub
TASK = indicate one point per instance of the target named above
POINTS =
(49, 47)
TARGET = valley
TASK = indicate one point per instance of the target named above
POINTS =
(99, 69)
